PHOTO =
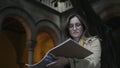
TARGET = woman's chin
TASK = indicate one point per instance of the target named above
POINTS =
(75, 36)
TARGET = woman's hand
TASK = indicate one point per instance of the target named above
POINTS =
(59, 63)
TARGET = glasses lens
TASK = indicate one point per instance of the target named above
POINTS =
(71, 25)
(76, 25)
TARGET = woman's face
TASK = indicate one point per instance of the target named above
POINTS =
(75, 27)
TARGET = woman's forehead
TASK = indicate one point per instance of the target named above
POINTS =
(75, 20)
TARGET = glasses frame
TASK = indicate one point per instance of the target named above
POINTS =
(74, 26)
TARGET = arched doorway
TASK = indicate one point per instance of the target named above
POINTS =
(13, 43)
(44, 43)
(47, 36)
(16, 25)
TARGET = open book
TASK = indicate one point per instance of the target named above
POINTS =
(69, 49)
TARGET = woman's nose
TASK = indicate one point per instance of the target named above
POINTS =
(74, 27)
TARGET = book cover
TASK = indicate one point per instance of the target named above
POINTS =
(69, 49)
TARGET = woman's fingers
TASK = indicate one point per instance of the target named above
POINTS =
(51, 65)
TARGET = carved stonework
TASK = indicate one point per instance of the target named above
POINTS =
(58, 5)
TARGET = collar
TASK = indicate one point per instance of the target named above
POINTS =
(81, 42)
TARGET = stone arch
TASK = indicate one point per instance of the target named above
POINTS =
(19, 18)
(47, 36)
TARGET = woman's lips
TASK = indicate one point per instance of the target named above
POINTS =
(75, 32)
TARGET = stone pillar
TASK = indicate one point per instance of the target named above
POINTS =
(31, 51)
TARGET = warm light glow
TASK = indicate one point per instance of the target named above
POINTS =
(44, 43)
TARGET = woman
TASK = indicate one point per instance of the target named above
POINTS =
(77, 30)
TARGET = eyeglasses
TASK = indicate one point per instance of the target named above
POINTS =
(74, 26)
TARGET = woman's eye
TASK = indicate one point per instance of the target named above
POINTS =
(77, 24)
(71, 26)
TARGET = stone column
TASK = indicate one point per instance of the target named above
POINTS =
(31, 51)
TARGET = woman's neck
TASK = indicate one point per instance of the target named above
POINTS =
(76, 39)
